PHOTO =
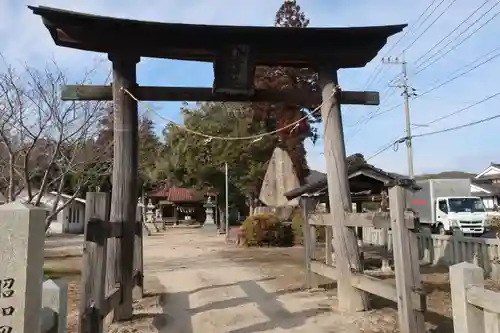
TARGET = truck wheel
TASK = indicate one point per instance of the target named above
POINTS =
(441, 230)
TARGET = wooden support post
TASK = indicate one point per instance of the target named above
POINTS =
(458, 236)
(467, 317)
(345, 243)
(138, 291)
(309, 242)
(406, 264)
(93, 288)
(125, 184)
(386, 240)
(359, 232)
(329, 245)
(306, 239)
(313, 243)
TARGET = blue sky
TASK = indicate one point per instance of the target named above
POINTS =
(469, 149)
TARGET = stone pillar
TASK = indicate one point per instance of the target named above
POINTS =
(22, 254)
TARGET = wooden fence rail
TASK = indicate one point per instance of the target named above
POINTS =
(446, 250)
(475, 309)
(95, 301)
(407, 292)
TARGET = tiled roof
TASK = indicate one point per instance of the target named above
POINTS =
(488, 177)
(163, 193)
(318, 182)
(178, 194)
(492, 188)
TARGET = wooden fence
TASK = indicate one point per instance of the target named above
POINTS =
(98, 298)
(407, 292)
(475, 309)
(446, 249)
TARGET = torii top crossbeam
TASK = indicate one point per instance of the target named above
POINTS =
(342, 47)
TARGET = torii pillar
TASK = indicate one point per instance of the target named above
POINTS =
(125, 181)
(344, 238)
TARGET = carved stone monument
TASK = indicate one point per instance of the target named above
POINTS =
(280, 178)
(22, 239)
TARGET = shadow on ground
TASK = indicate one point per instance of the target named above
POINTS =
(435, 281)
(179, 320)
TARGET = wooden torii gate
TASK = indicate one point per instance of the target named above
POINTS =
(235, 52)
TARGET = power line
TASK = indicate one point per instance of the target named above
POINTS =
(426, 53)
(394, 143)
(367, 115)
(375, 113)
(430, 55)
(414, 27)
(487, 54)
(462, 109)
(432, 23)
(458, 127)
(422, 23)
(423, 66)
(363, 121)
(428, 15)
(379, 67)
(453, 78)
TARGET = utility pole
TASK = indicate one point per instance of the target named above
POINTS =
(407, 93)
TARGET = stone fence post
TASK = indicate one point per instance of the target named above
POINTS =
(54, 312)
(22, 239)
(467, 318)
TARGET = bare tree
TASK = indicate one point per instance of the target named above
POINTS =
(12, 101)
(46, 141)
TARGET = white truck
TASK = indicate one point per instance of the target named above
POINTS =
(447, 204)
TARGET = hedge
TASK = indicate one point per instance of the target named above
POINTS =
(265, 229)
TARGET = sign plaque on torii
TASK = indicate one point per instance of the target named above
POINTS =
(234, 51)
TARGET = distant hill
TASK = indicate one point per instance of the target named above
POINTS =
(447, 175)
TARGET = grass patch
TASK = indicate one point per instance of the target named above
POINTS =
(54, 256)
(61, 272)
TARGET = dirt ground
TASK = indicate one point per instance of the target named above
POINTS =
(213, 287)
(197, 283)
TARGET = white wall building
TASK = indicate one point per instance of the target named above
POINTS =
(71, 219)
(487, 186)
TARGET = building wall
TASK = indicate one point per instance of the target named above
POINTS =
(73, 217)
(489, 201)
